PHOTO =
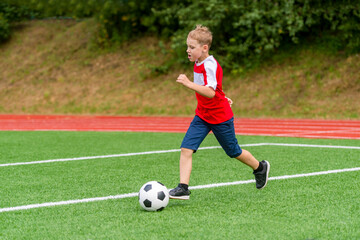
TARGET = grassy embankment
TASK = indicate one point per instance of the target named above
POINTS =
(50, 67)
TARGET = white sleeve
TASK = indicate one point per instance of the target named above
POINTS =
(210, 68)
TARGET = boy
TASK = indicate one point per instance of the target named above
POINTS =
(213, 113)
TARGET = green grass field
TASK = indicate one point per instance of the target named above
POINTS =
(307, 207)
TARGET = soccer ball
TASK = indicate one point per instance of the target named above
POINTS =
(153, 196)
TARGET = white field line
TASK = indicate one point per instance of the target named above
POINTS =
(298, 135)
(312, 145)
(308, 132)
(135, 194)
(172, 150)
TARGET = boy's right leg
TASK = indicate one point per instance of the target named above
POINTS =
(185, 165)
(196, 133)
(182, 191)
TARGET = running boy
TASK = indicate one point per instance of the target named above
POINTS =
(213, 113)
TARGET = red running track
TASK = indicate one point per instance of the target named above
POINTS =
(305, 128)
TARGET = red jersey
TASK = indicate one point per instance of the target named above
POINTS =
(217, 109)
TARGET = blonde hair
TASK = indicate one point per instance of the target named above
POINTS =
(202, 34)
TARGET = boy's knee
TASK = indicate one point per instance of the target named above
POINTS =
(234, 153)
(187, 151)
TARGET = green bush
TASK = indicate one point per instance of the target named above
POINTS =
(14, 12)
(10, 12)
(244, 31)
(4, 28)
(247, 30)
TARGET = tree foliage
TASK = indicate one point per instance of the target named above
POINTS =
(244, 30)
(9, 13)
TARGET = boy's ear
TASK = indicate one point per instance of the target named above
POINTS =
(206, 47)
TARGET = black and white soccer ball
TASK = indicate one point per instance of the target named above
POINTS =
(153, 196)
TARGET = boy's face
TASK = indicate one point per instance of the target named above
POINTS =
(195, 50)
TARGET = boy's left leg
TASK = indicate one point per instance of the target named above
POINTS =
(261, 169)
(247, 158)
(225, 134)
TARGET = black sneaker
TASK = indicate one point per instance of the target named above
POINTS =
(262, 176)
(179, 193)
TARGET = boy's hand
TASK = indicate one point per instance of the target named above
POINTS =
(229, 100)
(205, 91)
(182, 78)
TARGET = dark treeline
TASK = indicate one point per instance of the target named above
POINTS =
(244, 30)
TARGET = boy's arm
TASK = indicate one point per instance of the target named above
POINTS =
(202, 90)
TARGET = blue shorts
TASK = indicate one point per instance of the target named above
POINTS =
(224, 133)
